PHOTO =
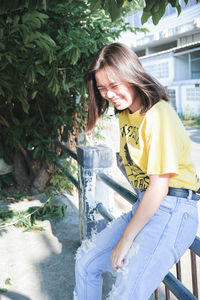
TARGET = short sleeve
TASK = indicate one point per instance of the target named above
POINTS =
(162, 143)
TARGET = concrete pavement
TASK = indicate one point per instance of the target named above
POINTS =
(40, 265)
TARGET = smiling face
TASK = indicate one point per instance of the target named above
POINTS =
(113, 89)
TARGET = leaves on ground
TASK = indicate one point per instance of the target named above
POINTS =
(3, 290)
(28, 218)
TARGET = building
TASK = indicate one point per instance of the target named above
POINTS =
(170, 51)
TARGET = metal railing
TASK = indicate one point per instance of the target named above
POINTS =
(67, 172)
(94, 169)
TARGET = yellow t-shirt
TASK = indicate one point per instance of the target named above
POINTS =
(156, 143)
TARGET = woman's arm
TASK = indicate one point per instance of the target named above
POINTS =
(150, 202)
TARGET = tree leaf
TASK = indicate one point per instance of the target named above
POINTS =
(178, 7)
(7, 281)
(35, 152)
(94, 5)
(145, 16)
(113, 10)
(34, 94)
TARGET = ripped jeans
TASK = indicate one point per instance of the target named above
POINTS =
(156, 248)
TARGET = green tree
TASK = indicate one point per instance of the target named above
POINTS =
(151, 8)
(45, 50)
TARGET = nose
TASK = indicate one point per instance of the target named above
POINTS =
(110, 94)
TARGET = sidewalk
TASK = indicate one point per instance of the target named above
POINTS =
(40, 265)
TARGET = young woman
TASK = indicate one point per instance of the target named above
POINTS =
(143, 244)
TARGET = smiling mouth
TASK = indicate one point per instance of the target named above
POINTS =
(116, 102)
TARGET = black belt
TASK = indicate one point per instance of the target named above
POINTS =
(183, 193)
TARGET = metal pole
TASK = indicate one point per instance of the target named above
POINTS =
(194, 273)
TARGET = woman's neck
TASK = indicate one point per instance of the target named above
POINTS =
(136, 105)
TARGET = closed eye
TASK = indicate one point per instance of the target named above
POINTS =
(115, 85)
(101, 88)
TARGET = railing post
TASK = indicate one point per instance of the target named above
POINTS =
(91, 161)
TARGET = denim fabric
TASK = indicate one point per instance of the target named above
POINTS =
(159, 245)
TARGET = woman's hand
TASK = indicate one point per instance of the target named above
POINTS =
(120, 251)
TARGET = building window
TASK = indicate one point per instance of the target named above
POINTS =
(195, 64)
(193, 94)
(159, 70)
(172, 97)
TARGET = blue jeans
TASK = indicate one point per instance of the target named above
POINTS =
(156, 248)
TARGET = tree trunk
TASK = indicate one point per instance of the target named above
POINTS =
(42, 177)
(21, 170)
(30, 173)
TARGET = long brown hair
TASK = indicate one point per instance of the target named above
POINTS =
(122, 60)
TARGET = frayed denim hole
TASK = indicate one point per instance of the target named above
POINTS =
(114, 291)
(75, 296)
(84, 248)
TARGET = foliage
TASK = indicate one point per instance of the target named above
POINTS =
(198, 121)
(2, 290)
(45, 49)
(59, 181)
(7, 281)
(12, 196)
(6, 180)
(190, 121)
(154, 8)
(28, 218)
(97, 135)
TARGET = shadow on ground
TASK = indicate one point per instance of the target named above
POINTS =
(40, 265)
(57, 271)
(14, 296)
(194, 134)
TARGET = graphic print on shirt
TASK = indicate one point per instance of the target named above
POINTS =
(130, 131)
(136, 176)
